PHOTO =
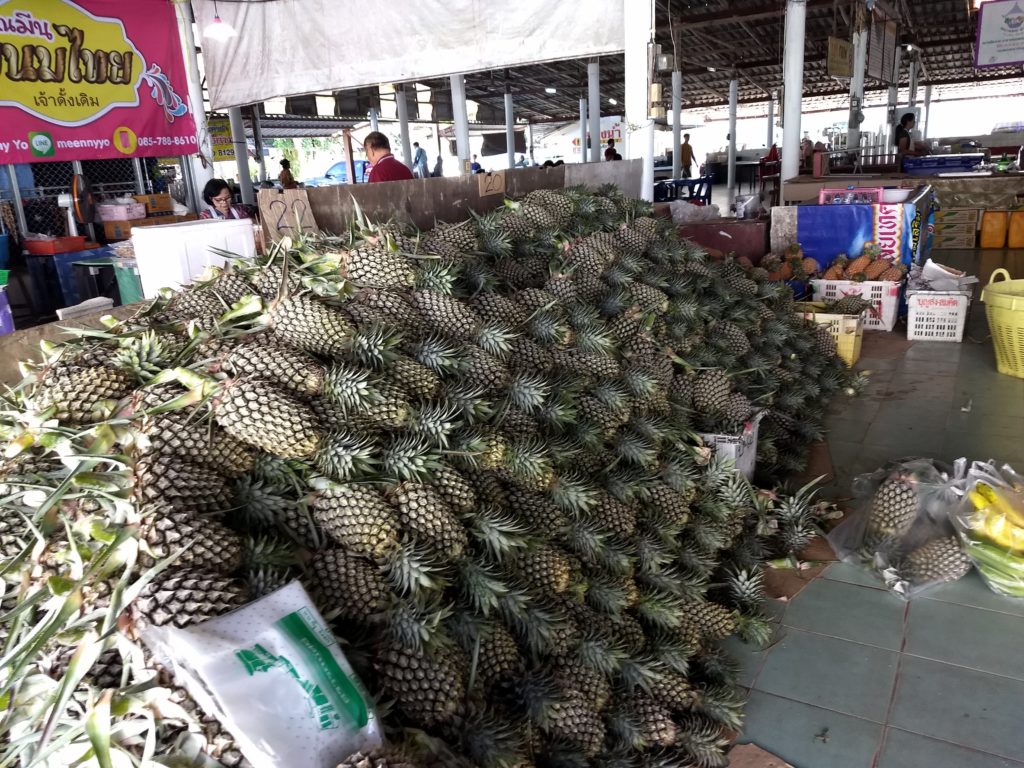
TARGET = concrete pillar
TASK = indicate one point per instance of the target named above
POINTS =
(733, 103)
(140, 176)
(372, 114)
(510, 128)
(927, 111)
(793, 76)
(677, 123)
(257, 138)
(860, 53)
(771, 122)
(638, 28)
(241, 154)
(403, 124)
(583, 130)
(19, 208)
(893, 101)
(594, 95)
(912, 94)
(458, 83)
(202, 159)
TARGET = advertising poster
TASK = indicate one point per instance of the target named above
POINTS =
(825, 231)
(220, 138)
(91, 79)
(1000, 34)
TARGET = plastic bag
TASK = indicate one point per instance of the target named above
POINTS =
(273, 674)
(990, 519)
(901, 528)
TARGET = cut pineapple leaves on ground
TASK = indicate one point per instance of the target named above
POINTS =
(476, 447)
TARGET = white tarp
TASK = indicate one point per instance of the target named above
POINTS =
(294, 47)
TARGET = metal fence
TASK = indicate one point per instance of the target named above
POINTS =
(41, 184)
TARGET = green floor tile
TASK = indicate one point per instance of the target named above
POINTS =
(850, 430)
(985, 422)
(843, 452)
(878, 363)
(920, 437)
(947, 367)
(809, 737)
(982, 446)
(909, 750)
(748, 657)
(855, 408)
(849, 612)
(826, 672)
(960, 705)
(853, 574)
(971, 590)
(934, 352)
(970, 637)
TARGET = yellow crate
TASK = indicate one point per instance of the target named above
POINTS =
(1004, 306)
(847, 330)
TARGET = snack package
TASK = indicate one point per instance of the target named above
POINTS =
(273, 674)
(990, 519)
(901, 527)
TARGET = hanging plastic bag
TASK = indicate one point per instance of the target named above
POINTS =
(990, 520)
(273, 674)
(900, 526)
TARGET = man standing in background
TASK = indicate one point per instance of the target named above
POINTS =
(385, 166)
(686, 157)
(419, 161)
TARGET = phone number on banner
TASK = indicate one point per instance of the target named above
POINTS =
(167, 141)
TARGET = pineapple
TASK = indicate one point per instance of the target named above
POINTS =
(837, 268)
(427, 684)
(849, 305)
(938, 561)
(876, 268)
(859, 264)
(376, 266)
(357, 517)
(446, 314)
(893, 510)
(310, 325)
(278, 364)
(81, 395)
(186, 598)
(423, 511)
(349, 587)
(895, 273)
(711, 390)
(181, 484)
(268, 418)
(198, 542)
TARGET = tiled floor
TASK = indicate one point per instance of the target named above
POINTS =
(856, 677)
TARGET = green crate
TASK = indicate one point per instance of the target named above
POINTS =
(128, 282)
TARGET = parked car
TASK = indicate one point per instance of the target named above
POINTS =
(338, 174)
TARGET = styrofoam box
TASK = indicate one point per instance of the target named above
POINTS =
(883, 295)
(173, 255)
(937, 315)
(742, 448)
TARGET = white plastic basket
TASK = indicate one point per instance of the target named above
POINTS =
(937, 315)
(883, 295)
(741, 448)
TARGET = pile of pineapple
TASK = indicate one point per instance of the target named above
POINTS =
(477, 448)
(869, 266)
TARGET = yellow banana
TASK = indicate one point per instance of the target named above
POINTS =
(998, 529)
(1010, 504)
(979, 500)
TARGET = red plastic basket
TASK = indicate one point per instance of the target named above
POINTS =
(56, 245)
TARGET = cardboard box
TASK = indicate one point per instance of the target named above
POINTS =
(954, 241)
(955, 228)
(159, 203)
(122, 230)
(958, 216)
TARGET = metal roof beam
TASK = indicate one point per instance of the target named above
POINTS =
(720, 18)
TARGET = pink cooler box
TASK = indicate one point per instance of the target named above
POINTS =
(121, 211)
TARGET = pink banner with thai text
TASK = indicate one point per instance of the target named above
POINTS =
(92, 79)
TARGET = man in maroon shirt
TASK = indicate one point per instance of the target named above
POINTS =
(385, 166)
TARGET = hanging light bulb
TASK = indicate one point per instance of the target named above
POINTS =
(217, 29)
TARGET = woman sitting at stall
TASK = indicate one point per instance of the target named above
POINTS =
(904, 139)
(218, 198)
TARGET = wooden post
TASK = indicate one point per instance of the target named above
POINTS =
(349, 156)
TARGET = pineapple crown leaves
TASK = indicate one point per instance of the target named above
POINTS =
(434, 422)
(481, 586)
(528, 391)
(413, 568)
(497, 532)
(345, 455)
(416, 624)
(408, 457)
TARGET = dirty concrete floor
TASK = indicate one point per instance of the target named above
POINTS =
(856, 677)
